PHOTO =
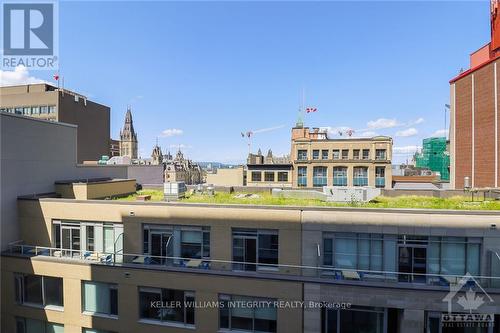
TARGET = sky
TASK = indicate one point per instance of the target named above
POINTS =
(197, 74)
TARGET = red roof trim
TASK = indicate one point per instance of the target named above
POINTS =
(469, 71)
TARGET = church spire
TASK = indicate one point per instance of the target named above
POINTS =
(128, 136)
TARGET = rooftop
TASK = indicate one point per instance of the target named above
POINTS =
(266, 199)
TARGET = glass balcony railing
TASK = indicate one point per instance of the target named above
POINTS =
(339, 181)
(284, 271)
(360, 181)
(380, 181)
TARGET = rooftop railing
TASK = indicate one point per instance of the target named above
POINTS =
(284, 271)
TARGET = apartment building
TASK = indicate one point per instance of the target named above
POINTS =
(118, 266)
(320, 161)
(44, 101)
(269, 170)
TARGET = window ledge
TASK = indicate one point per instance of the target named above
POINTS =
(101, 315)
(166, 323)
(44, 307)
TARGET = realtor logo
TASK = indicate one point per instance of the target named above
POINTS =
(468, 294)
(29, 36)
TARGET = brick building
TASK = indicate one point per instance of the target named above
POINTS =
(474, 139)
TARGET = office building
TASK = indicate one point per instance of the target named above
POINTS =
(44, 101)
(269, 170)
(320, 161)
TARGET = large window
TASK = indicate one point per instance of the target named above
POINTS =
(252, 248)
(345, 154)
(302, 176)
(354, 320)
(302, 154)
(249, 314)
(366, 154)
(39, 290)
(256, 176)
(282, 176)
(100, 298)
(336, 154)
(353, 251)
(28, 325)
(454, 255)
(269, 176)
(340, 176)
(380, 176)
(319, 176)
(355, 154)
(188, 242)
(360, 176)
(166, 305)
(324, 154)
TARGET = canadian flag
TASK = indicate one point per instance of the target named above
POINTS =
(311, 109)
(56, 77)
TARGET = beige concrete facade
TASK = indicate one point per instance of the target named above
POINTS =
(81, 190)
(226, 177)
(299, 277)
(43, 101)
(312, 149)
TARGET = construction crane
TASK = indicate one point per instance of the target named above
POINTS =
(250, 133)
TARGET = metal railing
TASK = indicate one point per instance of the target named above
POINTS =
(317, 273)
(339, 181)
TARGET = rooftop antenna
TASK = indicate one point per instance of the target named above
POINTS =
(300, 118)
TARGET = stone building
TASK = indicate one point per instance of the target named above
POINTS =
(156, 155)
(128, 137)
(269, 170)
(180, 169)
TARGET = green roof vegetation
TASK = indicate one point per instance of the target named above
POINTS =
(422, 202)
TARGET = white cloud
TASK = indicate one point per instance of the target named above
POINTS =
(180, 146)
(405, 150)
(20, 75)
(368, 134)
(440, 133)
(407, 132)
(171, 132)
(418, 121)
(382, 123)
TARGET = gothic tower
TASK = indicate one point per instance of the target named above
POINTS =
(128, 137)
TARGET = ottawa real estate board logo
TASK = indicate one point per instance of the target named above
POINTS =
(30, 35)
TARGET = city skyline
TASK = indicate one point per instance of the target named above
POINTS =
(213, 82)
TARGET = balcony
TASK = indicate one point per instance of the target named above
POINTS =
(339, 181)
(314, 274)
(360, 181)
(380, 182)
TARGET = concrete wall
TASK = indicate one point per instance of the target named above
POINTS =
(34, 154)
(96, 190)
(226, 177)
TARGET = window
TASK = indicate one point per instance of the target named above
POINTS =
(302, 176)
(315, 154)
(165, 240)
(44, 109)
(360, 176)
(251, 314)
(256, 176)
(39, 290)
(269, 176)
(108, 239)
(354, 319)
(52, 109)
(166, 305)
(100, 298)
(26, 111)
(90, 238)
(35, 110)
(366, 154)
(282, 176)
(319, 176)
(380, 154)
(253, 247)
(28, 325)
(345, 154)
(380, 176)
(302, 154)
(336, 154)
(324, 154)
(355, 154)
(340, 176)
(18, 110)
(453, 255)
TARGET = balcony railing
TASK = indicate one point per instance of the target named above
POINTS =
(319, 181)
(360, 181)
(320, 274)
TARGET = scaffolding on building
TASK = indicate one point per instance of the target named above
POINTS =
(435, 157)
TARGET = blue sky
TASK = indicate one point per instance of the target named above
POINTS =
(210, 70)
